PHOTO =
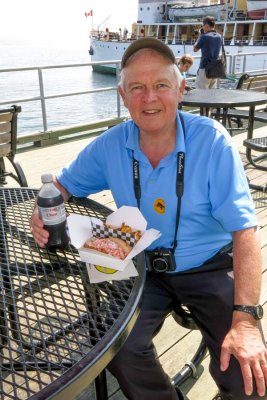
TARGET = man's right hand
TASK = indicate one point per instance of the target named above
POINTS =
(40, 235)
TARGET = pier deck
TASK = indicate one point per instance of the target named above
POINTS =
(175, 345)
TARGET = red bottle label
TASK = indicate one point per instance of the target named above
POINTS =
(52, 215)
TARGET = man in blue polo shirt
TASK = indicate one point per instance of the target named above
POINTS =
(210, 43)
(189, 183)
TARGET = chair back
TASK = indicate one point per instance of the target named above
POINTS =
(8, 131)
(258, 83)
(8, 146)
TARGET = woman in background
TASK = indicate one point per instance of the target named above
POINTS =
(185, 63)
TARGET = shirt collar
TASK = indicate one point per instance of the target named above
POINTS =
(132, 141)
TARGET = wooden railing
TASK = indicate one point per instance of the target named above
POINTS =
(55, 136)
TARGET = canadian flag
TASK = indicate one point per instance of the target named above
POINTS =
(89, 14)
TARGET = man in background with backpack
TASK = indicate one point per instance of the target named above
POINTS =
(210, 43)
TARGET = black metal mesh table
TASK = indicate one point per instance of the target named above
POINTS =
(57, 331)
(225, 99)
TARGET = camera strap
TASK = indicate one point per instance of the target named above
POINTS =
(179, 185)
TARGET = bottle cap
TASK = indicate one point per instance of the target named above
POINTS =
(47, 178)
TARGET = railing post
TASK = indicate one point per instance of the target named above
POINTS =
(41, 86)
(230, 69)
(118, 95)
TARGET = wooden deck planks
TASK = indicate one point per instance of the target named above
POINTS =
(174, 344)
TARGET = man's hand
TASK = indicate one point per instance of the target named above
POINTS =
(37, 228)
(244, 341)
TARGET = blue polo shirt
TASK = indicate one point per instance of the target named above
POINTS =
(210, 44)
(216, 198)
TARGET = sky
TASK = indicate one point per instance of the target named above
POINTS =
(61, 21)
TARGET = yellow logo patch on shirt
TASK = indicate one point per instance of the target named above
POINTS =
(159, 206)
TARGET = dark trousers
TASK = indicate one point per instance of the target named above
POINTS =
(209, 296)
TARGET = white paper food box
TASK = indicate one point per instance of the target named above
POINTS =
(80, 230)
(98, 273)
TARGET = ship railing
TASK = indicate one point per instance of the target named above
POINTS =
(110, 36)
(260, 40)
(234, 40)
(241, 40)
(171, 39)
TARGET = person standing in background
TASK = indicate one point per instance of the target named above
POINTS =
(210, 43)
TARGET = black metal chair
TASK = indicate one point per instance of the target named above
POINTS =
(183, 317)
(8, 146)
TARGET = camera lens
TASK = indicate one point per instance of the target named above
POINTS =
(160, 265)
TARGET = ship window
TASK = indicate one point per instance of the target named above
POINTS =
(141, 8)
(157, 8)
(148, 8)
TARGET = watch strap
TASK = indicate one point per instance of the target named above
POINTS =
(256, 311)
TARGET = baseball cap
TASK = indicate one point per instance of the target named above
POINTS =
(147, 43)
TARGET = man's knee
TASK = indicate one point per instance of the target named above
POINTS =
(130, 355)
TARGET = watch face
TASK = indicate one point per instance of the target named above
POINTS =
(259, 312)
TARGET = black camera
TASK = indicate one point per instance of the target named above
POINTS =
(160, 260)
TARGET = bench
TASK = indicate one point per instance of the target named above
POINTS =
(8, 146)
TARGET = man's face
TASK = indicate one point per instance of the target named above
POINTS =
(150, 92)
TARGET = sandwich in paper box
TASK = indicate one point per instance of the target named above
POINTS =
(83, 228)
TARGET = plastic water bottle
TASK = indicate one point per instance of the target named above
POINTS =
(51, 208)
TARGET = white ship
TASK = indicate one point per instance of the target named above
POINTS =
(177, 24)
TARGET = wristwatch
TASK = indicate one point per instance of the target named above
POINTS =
(255, 311)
